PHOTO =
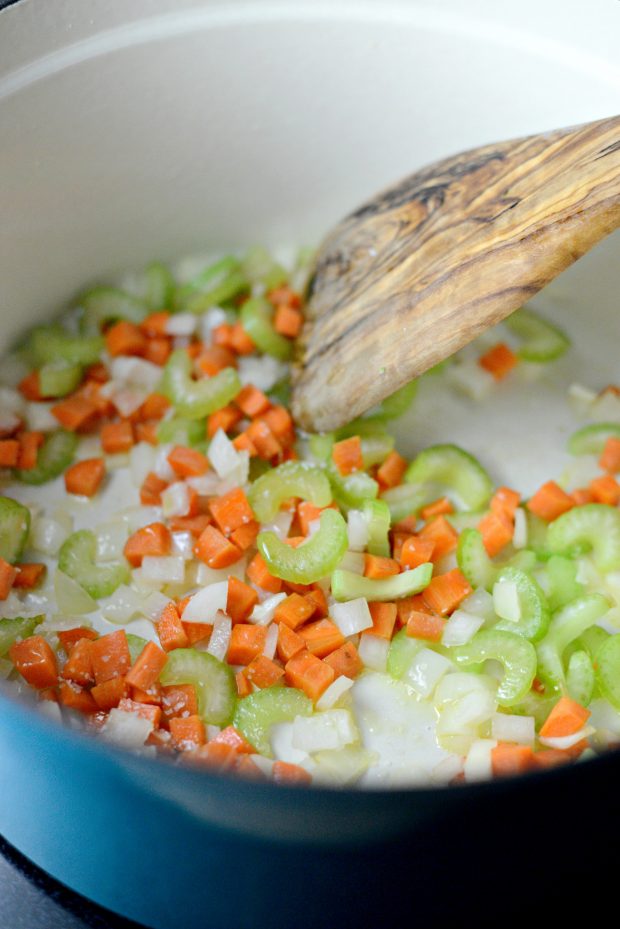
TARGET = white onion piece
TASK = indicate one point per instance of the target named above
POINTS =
(352, 616)
(460, 628)
(357, 530)
(223, 455)
(202, 575)
(271, 640)
(211, 320)
(205, 485)
(606, 407)
(519, 534)
(480, 603)
(141, 462)
(581, 399)
(478, 765)
(154, 604)
(183, 545)
(11, 401)
(353, 561)
(263, 613)
(70, 597)
(165, 569)
(39, 417)
(280, 524)
(47, 535)
(162, 467)
(111, 539)
(136, 372)
(126, 729)
(373, 651)
(138, 516)
(567, 741)
(506, 600)
(9, 422)
(332, 729)
(334, 692)
(262, 372)
(122, 605)
(518, 729)
(469, 378)
(205, 605)
(446, 770)
(264, 765)
(220, 637)
(281, 739)
(175, 499)
(181, 324)
(426, 670)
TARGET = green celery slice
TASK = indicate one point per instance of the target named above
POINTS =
(314, 559)
(591, 440)
(76, 558)
(216, 284)
(580, 677)
(474, 561)
(104, 305)
(349, 586)
(517, 655)
(454, 469)
(59, 378)
(18, 628)
(608, 670)
(197, 399)
(595, 527)
(402, 651)
(53, 344)
(257, 713)
(535, 613)
(566, 626)
(159, 286)
(257, 320)
(14, 529)
(376, 448)
(260, 268)
(181, 431)
(55, 455)
(406, 500)
(563, 584)
(399, 402)
(352, 491)
(541, 340)
(135, 643)
(213, 679)
(377, 515)
(290, 479)
(320, 445)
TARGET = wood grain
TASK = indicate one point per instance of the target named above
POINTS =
(430, 263)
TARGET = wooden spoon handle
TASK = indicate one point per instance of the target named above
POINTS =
(427, 265)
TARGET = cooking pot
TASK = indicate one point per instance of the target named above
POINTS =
(154, 128)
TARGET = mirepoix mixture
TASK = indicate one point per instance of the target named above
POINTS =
(186, 573)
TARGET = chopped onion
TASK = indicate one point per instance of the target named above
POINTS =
(263, 613)
(567, 741)
(9, 422)
(183, 545)
(70, 597)
(281, 739)
(332, 729)
(211, 320)
(154, 604)
(205, 485)
(460, 628)
(141, 462)
(352, 616)
(162, 467)
(127, 729)
(446, 770)
(39, 417)
(373, 651)
(478, 764)
(353, 561)
(181, 324)
(165, 569)
(581, 399)
(264, 765)
(263, 372)
(469, 378)
(357, 529)
(426, 670)
(334, 692)
(271, 640)
(122, 605)
(204, 606)
(175, 499)
(519, 535)
(506, 600)
(480, 603)
(508, 728)
(280, 524)
(138, 516)
(111, 539)
(220, 637)
(212, 731)
(136, 372)
(201, 574)
(47, 535)
(223, 455)
(11, 401)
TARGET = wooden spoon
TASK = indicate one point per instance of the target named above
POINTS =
(430, 263)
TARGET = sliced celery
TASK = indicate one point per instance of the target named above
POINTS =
(580, 677)
(535, 614)
(14, 529)
(351, 491)
(18, 628)
(474, 561)
(541, 340)
(59, 378)
(563, 584)
(55, 455)
(135, 643)
(217, 284)
(53, 344)
(516, 654)
(320, 445)
(566, 626)
(591, 440)
(399, 402)
(76, 558)
(256, 714)
(402, 651)
(594, 527)
(280, 393)
(213, 679)
(376, 448)
(260, 268)
(197, 399)
(448, 467)
(377, 515)
(405, 500)
(346, 585)
(291, 479)
(313, 560)
(608, 670)
(107, 305)
(159, 286)
(181, 431)
(257, 320)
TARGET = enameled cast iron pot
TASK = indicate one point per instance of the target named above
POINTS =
(151, 128)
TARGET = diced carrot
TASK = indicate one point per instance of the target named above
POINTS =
(281, 423)
(75, 413)
(152, 696)
(377, 567)
(347, 455)
(283, 772)
(605, 489)
(97, 372)
(580, 496)
(284, 294)
(245, 536)
(498, 361)
(231, 736)
(438, 507)
(446, 591)
(147, 432)
(496, 530)
(610, 457)
(153, 407)
(75, 698)
(8, 573)
(29, 445)
(443, 534)
(549, 502)
(196, 525)
(179, 700)
(383, 618)
(391, 472)
(322, 637)
(264, 672)
(287, 321)
(307, 513)
(408, 525)
(29, 575)
(147, 667)
(143, 710)
(318, 601)
(197, 632)
(252, 401)
(154, 539)
(214, 359)
(188, 462)
(224, 418)
(48, 693)
(79, 666)
(244, 687)
(240, 341)
(125, 338)
(116, 437)
(85, 477)
(258, 573)
(220, 335)
(262, 438)
(508, 759)
(9, 453)
(550, 758)
(110, 656)
(345, 661)
(151, 490)
(216, 756)
(243, 443)
(68, 637)
(187, 731)
(294, 611)
(231, 510)
(505, 502)
(408, 605)
(241, 599)
(157, 350)
(398, 540)
(289, 643)
(246, 642)
(215, 549)
(155, 323)
(566, 718)
(309, 673)
(109, 694)
(416, 551)
(35, 660)
(30, 387)
(425, 626)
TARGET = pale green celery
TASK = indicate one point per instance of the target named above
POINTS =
(591, 440)
(280, 393)
(516, 654)
(351, 491)
(376, 448)
(107, 305)
(135, 643)
(563, 583)
(524, 560)
(312, 560)
(257, 713)
(214, 681)
(320, 445)
(216, 284)
(196, 399)
(402, 651)
(181, 431)
(53, 344)
(290, 479)
(377, 516)
(399, 402)
(363, 426)
(541, 340)
(594, 527)
(14, 529)
(76, 558)
(258, 467)
(450, 468)
(537, 535)
(236, 283)
(608, 670)
(474, 561)
(535, 614)
(159, 286)
(59, 378)
(580, 677)
(566, 626)
(537, 705)
(257, 320)
(260, 268)
(18, 628)
(55, 456)
(405, 500)
(349, 586)
(592, 639)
